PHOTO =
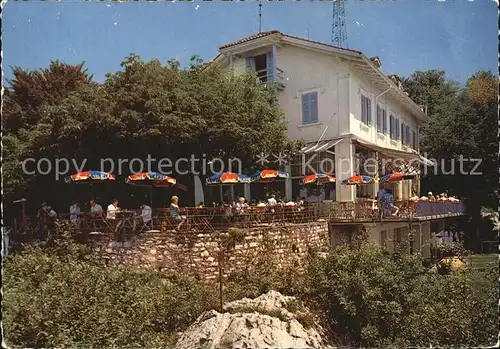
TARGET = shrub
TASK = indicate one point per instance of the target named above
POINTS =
(51, 301)
(372, 299)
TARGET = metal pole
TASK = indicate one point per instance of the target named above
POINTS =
(151, 198)
(221, 267)
(25, 221)
(260, 17)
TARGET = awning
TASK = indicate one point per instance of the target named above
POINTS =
(392, 153)
(321, 146)
(426, 162)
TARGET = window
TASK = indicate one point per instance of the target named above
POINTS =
(398, 235)
(366, 110)
(414, 140)
(262, 65)
(381, 119)
(394, 127)
(403, 138)
(408, 136)
(309, 108)
(383, 238)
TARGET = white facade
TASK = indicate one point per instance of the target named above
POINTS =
(322, 92)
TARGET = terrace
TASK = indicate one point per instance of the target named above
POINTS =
(197, 220)
(213, 219)
(367, 211)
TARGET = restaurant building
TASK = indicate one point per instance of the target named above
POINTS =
(353, 119)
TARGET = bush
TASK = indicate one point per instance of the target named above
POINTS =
(54, 301)
(371, 299)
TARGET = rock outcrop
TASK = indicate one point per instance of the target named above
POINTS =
(268, 321)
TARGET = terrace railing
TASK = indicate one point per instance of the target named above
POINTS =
(206, 220)
(368, 211)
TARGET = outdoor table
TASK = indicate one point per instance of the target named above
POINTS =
(200, 219)
(125, 219)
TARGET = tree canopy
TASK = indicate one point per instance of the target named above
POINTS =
(463, 124)
(146, 108)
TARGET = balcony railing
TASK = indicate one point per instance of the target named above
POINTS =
(368, 211)
(196, 220)
(265, 76)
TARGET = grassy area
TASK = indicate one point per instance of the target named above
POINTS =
(489, 260)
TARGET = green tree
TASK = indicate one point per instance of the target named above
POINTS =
(150, 108)
(51, 301)
(30, 90)
(462, 126)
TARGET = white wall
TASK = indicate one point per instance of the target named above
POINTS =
(359, 85)
(306, 71)
(239, 65)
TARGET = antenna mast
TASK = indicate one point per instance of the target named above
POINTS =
(339, 28)
(260, 16)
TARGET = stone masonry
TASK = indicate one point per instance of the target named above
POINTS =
(197, 254)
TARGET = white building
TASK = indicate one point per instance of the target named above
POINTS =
(336, 96)
(341, 104)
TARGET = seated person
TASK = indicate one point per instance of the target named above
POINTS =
(145, 217)
(241, 206)
(175, 211)
(272, 200)
(112, 209)
(201, 205)
(74, 209)
(430, 196)
(46, 213)
(111, 213)
(95, 208)
(290, 204)
(261, 204)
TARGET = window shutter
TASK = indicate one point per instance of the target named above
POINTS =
(369, 111)
(391, 126)
(363, 112)
(384, 121)
(250, 63)
(379, 119)
(270, 67)
(305, 108)
(313, 100)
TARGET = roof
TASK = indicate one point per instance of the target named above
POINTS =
(250, 38)
(360, 61)
(271, 32)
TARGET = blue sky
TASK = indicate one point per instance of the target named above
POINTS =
(459, 36)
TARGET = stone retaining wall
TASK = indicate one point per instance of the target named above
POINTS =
(197, 254)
